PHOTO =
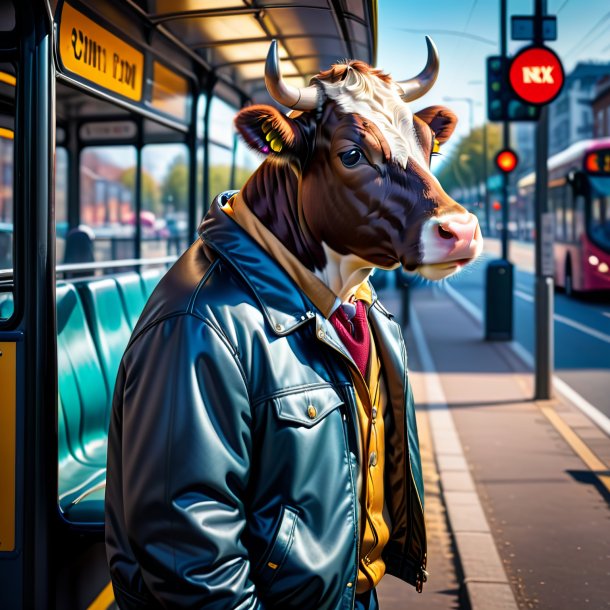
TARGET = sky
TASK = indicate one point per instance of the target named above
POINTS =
(466, 32)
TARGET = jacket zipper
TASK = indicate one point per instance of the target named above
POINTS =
(355, 500)
(354, 506)
(421, 575)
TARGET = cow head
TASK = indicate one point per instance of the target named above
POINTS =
(359, 159)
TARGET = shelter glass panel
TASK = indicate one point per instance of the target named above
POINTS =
(165, 196)
(107, 196)
(221, 122)
(7, 202)
(220, 169)
(246, 161)
(61, 202)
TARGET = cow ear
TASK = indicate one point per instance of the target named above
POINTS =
(441, 121)
(269, 131)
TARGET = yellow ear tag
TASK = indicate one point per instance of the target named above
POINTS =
(276, 145)
(436, 148)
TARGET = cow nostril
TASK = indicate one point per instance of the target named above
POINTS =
(444, 233)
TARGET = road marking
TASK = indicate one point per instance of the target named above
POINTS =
(460, 504)
(524, 296)
(596, 334)
(582, 328)
(578, 446)
(560, 386)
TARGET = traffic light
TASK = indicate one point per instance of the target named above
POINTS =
(502, 103)
(507, 160)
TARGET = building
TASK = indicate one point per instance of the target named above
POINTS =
(571, 115)
(600, 106)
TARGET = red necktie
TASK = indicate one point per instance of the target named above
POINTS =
(354, 334)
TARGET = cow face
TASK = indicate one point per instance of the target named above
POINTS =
(365, 190)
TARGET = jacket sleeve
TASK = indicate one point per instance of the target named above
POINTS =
(186, 455)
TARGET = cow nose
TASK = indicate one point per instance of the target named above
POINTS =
(460, 228)
(451, 237)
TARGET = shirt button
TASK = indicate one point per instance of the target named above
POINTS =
(350, 585)
(312, 411)
(374, 412)
(279, 328)
(373, 458)
(321, 334)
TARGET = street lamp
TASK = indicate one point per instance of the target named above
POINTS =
(464, 158)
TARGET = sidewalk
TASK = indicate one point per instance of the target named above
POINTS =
(524, 507)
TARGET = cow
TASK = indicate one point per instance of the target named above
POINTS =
(263, 448)
(350, 173)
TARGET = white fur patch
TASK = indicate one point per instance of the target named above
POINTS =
(379, 102)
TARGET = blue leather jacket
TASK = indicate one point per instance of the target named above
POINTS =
(222, 490)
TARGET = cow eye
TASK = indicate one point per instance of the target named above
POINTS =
(351, 157)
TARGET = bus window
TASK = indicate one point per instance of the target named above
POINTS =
(579, 214)
(221, 146)
(557, 205)
(599, 220)
(165, 195)
(569, 215)
(61, 201)
(107, 195)
(7, 135)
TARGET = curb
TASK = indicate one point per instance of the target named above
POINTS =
(484, 578)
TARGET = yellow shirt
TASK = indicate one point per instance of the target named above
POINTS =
(370, 398)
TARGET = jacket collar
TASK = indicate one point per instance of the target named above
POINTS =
(284, 305)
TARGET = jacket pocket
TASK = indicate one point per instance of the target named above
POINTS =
(307, 407)
(274, 559)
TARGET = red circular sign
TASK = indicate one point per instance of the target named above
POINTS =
(506, 160)
(536, 75)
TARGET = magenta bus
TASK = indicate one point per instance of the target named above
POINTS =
(579, 198)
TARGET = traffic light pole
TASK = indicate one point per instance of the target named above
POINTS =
(505, 178)
(499, 273)
(505, 139)
(544, 246)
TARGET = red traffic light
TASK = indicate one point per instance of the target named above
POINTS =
(507, 160)
(497, 206)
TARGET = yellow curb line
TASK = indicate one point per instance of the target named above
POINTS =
(578, 446)
(104, 599)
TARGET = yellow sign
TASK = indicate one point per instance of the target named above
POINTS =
(169, 91)
(8, 444)
(89, 50)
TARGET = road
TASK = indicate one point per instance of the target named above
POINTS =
(582, 325)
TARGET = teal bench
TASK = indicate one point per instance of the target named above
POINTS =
(94, 324)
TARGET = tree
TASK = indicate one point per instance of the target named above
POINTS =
(175, 188)
(151, 196)
(465, 163)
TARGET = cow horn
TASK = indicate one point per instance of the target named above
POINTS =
(422, 83)
(305, 98)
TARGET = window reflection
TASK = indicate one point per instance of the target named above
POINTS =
(107, 193)
(61, 201)
(7, 137)
(165, 196)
